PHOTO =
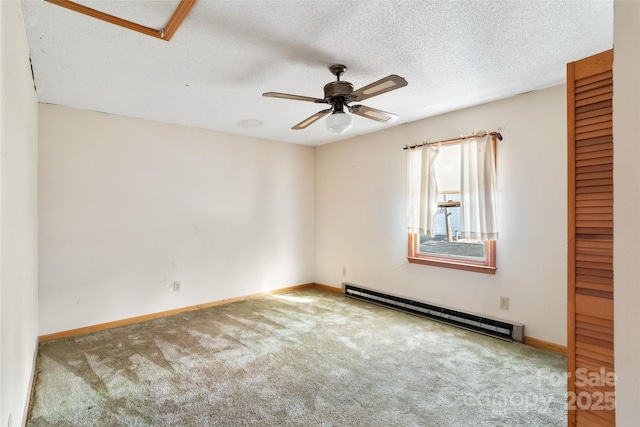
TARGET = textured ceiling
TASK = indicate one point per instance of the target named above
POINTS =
(211, 75)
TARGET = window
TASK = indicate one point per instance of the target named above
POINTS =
(450, 224)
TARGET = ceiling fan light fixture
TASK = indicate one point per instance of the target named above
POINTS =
(339, 122)
(339, 94)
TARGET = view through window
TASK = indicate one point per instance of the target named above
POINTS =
(447, 241)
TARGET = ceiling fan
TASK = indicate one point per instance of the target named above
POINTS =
(340, 94)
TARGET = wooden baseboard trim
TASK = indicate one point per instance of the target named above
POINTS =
(327, 288)
(143, 318)
(545, 345)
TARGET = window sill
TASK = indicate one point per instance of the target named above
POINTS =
(457, 265)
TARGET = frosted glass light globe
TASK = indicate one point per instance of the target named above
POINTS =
(339, 122)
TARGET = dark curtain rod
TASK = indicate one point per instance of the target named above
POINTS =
(454, 140)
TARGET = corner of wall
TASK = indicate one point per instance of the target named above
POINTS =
(18, 216)
(626, 127)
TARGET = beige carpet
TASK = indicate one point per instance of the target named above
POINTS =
(306, 358)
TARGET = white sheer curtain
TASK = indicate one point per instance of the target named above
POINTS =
(422, 203)
(478, 189)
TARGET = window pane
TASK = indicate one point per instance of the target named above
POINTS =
(447, 167)
(446, 241)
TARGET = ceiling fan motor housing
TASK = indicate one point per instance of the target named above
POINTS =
(334, 89)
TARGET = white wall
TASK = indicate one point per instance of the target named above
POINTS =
(18, 216)
(361, 214)
(129, 206)
(626, 131)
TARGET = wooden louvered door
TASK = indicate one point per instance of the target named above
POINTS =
(591, 383)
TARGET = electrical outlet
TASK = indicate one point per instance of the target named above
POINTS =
(344, 271)
(504, 303)
(177, 287)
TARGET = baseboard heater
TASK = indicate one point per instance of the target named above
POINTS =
(493, 327)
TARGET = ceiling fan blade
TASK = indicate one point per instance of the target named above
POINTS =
(311, 120)
(386, 84)
(373, 114)
(294, 97)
